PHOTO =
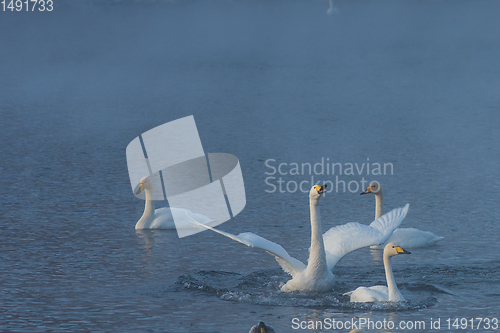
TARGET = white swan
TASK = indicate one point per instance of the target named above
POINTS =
(389, 293)
(326, 250)
(409, 238)
(162, 218)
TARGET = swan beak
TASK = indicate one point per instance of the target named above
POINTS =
(140, 188)
(401, 250)
(262, 330)
(322, 189)
(368, 190)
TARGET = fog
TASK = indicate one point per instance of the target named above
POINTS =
(170, 55)
(258, 75)
(103, 68)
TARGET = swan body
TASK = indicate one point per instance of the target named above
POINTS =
(326, 250)
(389, 293)
(409, 238)
(162, 218)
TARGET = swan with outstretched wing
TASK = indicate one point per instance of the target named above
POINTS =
(326, 250)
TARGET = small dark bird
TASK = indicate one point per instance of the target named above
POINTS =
(261, 328)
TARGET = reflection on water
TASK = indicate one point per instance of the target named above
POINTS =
(147, 237)
(378, 256)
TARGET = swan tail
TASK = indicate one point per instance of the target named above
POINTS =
(435, 239)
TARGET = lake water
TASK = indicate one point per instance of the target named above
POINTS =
(412, 84)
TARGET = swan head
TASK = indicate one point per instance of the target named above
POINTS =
(261, 328)
(316, 191)
(392, 249)
(145, 184)
(374, 188)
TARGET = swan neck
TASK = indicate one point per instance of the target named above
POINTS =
(149, 210)
(317, 257)
(379, 204)
(394, 293)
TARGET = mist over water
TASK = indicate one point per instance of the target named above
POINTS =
(412, 83)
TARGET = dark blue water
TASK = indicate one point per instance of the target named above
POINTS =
(414, 84)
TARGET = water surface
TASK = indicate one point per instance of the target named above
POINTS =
(414, 84)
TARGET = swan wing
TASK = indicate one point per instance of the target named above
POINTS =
(346, 238)
(384, 224)
(288, 263)
(185, 218)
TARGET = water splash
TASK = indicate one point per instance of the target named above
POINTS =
(263, 288)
